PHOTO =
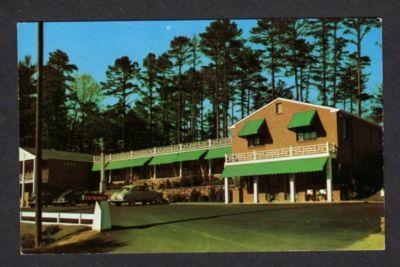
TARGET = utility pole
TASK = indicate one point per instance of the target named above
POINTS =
(38, 140)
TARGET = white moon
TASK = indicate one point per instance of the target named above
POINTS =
(168, 27)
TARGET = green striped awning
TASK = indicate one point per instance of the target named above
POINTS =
(251, 127)
(163, 159)
(302, 119)
(122, 164)
(190, 155)
(275, 167)
(96, 166)
(219, 152)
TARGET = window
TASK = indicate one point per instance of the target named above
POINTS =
(254, 140)
(301, 136)
(278, 108)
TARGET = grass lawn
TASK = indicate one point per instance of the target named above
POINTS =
(236, 228)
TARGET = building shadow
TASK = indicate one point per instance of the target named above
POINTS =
(145, 226)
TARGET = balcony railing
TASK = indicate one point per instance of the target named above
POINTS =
(287, 152)
(166, 149)
(28, 176)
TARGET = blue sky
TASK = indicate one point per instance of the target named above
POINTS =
(92, 46)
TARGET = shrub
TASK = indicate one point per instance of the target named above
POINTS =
(27, 241)
(184, 182)
(175, 197)
(175, 184)
(167, 184)
(161, 186)
(194, 195)
(203, 198)
(219, 195)
(212, 195)
(196, 181)
(51, 230)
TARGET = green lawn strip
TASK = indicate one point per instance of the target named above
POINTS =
(372, 242)
(224, 233)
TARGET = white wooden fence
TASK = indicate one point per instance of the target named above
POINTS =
(62, 218)
(99, 220)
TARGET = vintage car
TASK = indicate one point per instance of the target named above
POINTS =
(135, 193)
(78, 196)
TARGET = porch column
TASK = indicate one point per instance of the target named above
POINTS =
(226, 188)
(209, 168)
(34, 177)
(255, 189)
(292, 187)
(23, 183)
(329, 180)
(180, 169)
(102, 174)
(154, 171)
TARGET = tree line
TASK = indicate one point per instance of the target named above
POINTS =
(200, 85)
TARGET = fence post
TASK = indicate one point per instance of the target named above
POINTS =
(327, 148)
(290, 151)
(58, 217)
(80, 219)
(254, 154)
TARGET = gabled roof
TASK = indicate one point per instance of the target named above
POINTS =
(61, 155)
(287, 100)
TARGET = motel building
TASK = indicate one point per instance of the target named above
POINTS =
(61, 170)
(287, 151)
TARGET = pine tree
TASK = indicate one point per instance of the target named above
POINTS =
(179, 55)
(120, 85)
(267, 34)
(320, 31)
(58, 75)
(358, 28)
(220, 42)
(26, 98)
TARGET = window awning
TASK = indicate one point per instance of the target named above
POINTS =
(190, 155)
(302, 119)
(163, 159)
(251, 127)
(219, 152)
(121, 164)
(275, 167)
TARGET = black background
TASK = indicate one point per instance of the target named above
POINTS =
(65, 10)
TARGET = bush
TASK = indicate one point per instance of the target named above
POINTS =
(161, 186)
(27, 241)
(175, 184)
(219, 195)
(184, 182)
(203, 198)
(194, 195)
(196, 181)
(175, 197)
(212, 195)
(51, 230)
(168, 184)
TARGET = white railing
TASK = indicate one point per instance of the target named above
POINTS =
(28, 176)
(286, 152)
(98, 221)
(166, 149)
(62, 218)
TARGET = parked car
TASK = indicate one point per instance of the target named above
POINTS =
(47, 197)
(135, 193)
(69, 197)
(78, 196)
